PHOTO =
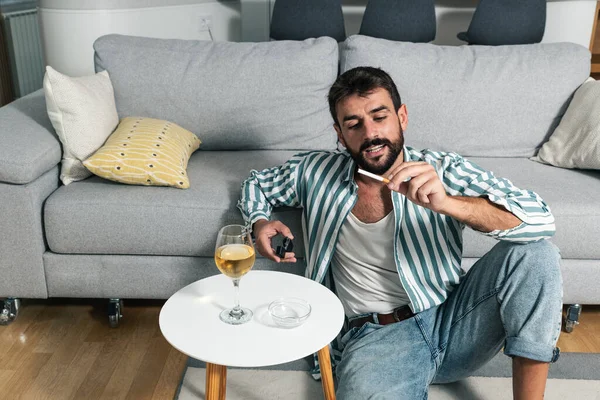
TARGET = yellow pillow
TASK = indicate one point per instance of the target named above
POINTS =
(145, 151)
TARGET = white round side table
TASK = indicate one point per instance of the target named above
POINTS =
(190, 322)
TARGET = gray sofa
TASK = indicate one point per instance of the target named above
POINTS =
(253, 106)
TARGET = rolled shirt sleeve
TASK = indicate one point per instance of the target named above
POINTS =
(271, 187)
(462, 177)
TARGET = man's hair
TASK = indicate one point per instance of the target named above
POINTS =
(361, 81)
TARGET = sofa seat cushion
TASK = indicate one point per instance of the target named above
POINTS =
(97, 216)
(571, 194)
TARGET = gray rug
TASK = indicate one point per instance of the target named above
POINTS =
(574, 376)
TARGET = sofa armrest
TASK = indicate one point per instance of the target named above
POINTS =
(30, 146)
(22, 236)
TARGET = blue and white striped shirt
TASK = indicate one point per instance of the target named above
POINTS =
(427, 245)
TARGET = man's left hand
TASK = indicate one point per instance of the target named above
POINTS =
(424, 187)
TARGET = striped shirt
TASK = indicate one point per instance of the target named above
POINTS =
(427, 245)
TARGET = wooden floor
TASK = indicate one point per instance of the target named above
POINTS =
(64, 349)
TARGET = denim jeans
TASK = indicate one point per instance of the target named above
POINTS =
(511, 297)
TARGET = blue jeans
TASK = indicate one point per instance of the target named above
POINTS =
(512, 297)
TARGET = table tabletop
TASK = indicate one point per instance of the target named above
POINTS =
(190, 322)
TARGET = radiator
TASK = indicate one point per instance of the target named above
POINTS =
(22, 33)
(6, 92)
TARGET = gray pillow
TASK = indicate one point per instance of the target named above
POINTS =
(270, 95)
(576, 141)
(499, 101)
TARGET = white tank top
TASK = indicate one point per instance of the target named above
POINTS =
(364, 271)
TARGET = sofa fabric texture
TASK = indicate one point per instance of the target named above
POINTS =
(254, 106)
(22, 236)
(30, 146)
(96, 217)
(100, 217)
(254, 96)
(140, 277)
(502, 101)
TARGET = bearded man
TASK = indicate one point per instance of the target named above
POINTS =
(394, 250)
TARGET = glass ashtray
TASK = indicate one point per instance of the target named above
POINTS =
(289, 312)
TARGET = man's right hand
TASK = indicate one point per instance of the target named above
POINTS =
(264, 231)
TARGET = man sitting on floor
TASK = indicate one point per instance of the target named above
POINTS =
(395, 249)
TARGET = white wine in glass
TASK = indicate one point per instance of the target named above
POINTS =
(234, 256)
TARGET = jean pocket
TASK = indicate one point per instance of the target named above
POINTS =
(355, 334)
(358, 332)
(364, 330)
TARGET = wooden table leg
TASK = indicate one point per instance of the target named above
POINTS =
(223, 383)
(216, 381)
(326, 374)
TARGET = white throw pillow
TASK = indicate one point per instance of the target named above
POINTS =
(83, 113)
(575, 143)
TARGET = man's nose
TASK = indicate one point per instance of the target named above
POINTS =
(371, 131)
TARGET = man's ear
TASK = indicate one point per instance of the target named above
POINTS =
(339, 134)
(403, 116)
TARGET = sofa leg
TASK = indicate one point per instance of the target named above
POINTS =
(573, 313)
(114, 312)
(10, 311)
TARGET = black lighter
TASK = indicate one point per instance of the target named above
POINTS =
(285, 247)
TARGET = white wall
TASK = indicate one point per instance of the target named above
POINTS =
(69, 27)
(68, 34)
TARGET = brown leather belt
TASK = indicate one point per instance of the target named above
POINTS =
(399, 314)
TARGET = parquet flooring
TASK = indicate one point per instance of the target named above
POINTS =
(64, 349)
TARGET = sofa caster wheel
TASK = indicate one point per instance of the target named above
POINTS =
(114, 312)
(573, 313)
(10, 311)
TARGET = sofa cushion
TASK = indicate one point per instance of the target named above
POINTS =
(97, 216)
(576, 141)
(145, 151)
(499, 101)
(270, 95)
(83, 113)
(30, 146)
(571, 194)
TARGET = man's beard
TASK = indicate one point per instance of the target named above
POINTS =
(381, 167)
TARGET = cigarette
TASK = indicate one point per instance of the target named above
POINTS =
(376, 177)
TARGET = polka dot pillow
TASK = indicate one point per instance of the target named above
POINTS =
(145, 151)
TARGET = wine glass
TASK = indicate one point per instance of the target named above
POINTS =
(234, 256)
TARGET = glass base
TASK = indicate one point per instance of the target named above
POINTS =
(231, 317)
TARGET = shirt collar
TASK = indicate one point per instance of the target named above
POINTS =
(348, 174)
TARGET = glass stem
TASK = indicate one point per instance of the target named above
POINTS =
(237, 310)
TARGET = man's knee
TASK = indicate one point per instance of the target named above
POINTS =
(537, 262)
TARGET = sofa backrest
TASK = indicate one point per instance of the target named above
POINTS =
(234, 96)
(502, 101)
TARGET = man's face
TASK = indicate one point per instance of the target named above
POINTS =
(371, 130)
